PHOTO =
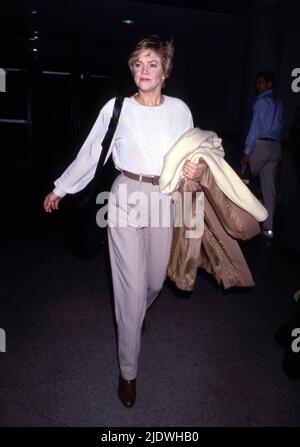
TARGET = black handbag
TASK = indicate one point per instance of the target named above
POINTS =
(84, 237)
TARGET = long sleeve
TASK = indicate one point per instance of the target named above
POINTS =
(81, 171)
(267, 120)
(254, 128)
(190, 121)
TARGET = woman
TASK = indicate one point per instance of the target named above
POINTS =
(149, 124)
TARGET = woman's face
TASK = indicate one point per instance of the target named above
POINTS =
(148, 71)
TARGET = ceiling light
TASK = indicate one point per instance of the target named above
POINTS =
(128, 21)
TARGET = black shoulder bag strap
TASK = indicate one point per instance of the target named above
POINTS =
(107, 142)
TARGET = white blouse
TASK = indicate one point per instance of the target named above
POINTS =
(143, 136)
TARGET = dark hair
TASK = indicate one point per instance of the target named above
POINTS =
(267, 75)
(164, 49)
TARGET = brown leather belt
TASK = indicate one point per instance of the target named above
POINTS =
(154, 179)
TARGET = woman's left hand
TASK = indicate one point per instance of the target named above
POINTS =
(193, 171)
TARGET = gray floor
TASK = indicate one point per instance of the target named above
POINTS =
(207, 360)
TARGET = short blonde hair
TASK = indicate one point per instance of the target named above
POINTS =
(165, 49)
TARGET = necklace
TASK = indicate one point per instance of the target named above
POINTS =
(138, 99)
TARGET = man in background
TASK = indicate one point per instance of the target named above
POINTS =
(263, 143)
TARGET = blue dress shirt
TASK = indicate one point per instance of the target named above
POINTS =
(267, 119)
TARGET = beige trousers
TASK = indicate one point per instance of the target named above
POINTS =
(139, 248)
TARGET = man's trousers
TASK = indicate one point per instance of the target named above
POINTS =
(264, 159)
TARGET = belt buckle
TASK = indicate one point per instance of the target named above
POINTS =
(154, 181)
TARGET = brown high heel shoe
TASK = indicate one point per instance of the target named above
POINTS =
(127, 391)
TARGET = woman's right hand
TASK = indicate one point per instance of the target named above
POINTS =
(51, 202)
